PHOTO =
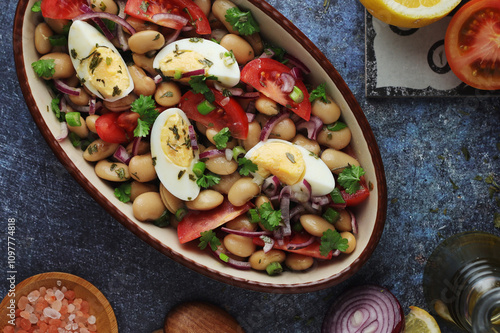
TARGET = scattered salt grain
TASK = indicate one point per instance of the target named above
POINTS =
(51, 313)
(59, 283)
(59, 295)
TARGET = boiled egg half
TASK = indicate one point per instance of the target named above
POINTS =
(292, 164)
(193, 54)
(97, 62)
(173, 155)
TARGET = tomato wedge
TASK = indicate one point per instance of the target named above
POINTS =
(264, 75)
(356, 198)
(109, 130)
(196, 222)
(311, 250)
(62, 9)
(145, 9)
(230, 115)
(472, 44)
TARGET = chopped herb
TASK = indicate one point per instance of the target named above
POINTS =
(337, 196)
(36, 8)
(455, 187)
(167, 94)
(91, 149)
(331, 215)
(44, 68)
(228, 58)
(266, 215)
(209, 238)
(291, 157)
(246, 166)
(164, 220)
(180, 174)
(58, 40)
(102, 6)
(109, 60)
(144, 6)
(336, 126)
(222, 138)
(196, 40)
(224, 257)
(156, 37)
(121, 173)
(74, 55)
(331, 240)
(199, 85)
(350, 177)
(319, 93)
(122, 192)
(205, 62)
(274, 268)
(116, 91)
(243, 22)
(74, 139)
(204, 180)
(146, 108)
(95, 61)
(296, 95)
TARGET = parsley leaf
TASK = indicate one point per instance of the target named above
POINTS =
(336, 126)
(267, 216)
(319, 93)
(44, 68)
(331, 240)
(199, 85)
(54, 105)
(278, 53)
(208, 180)
(122, 192)
(246, 166)
(222, 138)
(243, 22)
(37, 7)
(146, 108)
(209, 238)
(58, 40)
(349, 178)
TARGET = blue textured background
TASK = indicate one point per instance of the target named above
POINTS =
(60, 228)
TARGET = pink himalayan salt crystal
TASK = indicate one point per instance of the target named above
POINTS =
(71, 308)
(84, 330)
(92, 327)
(91, 320)
(33, 319)
(43, 291)
(29, 308)
(59, 295)
(21, 304)
(33, 296)
(51, 313)
(24, 314)
(56, 305)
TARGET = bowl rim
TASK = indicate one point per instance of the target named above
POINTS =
(351, 101)
(73, 279)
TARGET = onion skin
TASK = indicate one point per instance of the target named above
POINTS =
(377, 306)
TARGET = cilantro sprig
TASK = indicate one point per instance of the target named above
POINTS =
(209, 238)
(146, 108)
(243, 22)
(204, 180)
(350, 177)
(246, 166)
(331, 240)
(266, 215)
(44, 68)
(222, 138)
(199, 85)
(319, 93)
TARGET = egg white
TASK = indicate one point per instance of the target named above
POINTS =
(83, 38)
(227, 75)
(317, 173)
(184, 188)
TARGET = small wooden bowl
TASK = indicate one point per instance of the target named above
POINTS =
(99, 305)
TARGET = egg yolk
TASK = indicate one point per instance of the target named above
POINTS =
(279, 159)
(175, 141)
(183, 61)
(107, 72)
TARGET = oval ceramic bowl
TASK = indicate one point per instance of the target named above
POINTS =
(99, 305)
(277, 29)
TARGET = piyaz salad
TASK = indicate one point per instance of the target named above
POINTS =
(203, 127)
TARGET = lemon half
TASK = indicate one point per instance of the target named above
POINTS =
(420, 321)
(409, 13)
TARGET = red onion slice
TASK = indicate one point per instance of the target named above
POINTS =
(157, 79)
(285, 195)
(64, 131)
(194, 73)
(271, 186)
(301, 192)
(354, 223)
(172, 38)
(246, 233)
(243, 265)
(92, 105)
(169, 20)
(365, 308)
(268, 127)
(135, 146)
(108, 16)
(120, 34)
(98, 21)
(122, 155)
(192, 137)
(321, 200)
(268, 53)
(212, 153)
(268, 243)
(287, 82)
(291, 246)
(250, 117)
(313, 126)
(79, 108)
(297, 73)
(65, 89)
(63, 105)
(224, 101)
(297, 63)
